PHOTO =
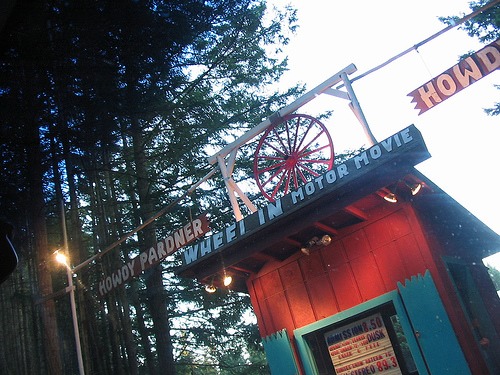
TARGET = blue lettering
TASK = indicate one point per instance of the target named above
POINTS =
(261, 217)
(231, 232)
(319, 181)
(205, 247)
(342, 170)
(274, 210)
(296, 195)
(363, 157)
(387, 144)
(217, 240)
(405, 134)
(310, 189)
(331, 177)
(375, 152)
(190, 254)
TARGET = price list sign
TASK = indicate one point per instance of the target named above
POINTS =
(362, 348)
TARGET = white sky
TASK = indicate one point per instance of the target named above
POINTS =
(462, 139)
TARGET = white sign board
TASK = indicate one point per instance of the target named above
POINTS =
(362, 348)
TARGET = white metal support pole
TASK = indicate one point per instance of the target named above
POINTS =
(356, 108)
(232, 197)
(304, 99)
(231, 149)
(71, 288)
(231, 185)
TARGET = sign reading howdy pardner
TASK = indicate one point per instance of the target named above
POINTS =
(155, 254)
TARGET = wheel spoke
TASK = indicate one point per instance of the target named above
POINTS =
(265, 157)
(313, 151)
(296, 137)
(301, 175)
(272, 167)
(280, 141)
(275, 149)
(306, 168)
(278, 185)
(309, 127)
(272, 176)
(310, 142)
(295, 180)
(314, 161)
(287, 181)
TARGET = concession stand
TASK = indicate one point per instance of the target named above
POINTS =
(367, 268)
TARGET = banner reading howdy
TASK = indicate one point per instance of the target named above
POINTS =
(458, 77)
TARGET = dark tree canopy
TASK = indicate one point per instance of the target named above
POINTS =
(112, 108)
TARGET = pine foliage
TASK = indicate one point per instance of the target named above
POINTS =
(112, 108)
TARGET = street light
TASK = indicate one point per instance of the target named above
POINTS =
(61, 258)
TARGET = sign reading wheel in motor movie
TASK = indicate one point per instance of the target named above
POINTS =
(362, 347)
(458, 77)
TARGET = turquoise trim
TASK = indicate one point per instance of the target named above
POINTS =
(409, 335)
(437, 339)
(306, 355)
(279, 354)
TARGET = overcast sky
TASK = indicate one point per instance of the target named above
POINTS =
(462, 139)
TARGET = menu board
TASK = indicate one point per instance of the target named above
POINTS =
(362, 348)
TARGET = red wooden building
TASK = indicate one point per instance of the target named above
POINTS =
(342, 281)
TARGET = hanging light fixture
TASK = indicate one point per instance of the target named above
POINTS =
(227, 280)
(414, 188)
(325, 240)
(210, 288)
(391, 197)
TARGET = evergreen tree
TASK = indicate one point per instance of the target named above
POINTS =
(113, 107)
(495, 276)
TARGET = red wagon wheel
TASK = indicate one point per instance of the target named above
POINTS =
(291, 153)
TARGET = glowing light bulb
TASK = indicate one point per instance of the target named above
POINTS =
(227, 280)
(210, 288)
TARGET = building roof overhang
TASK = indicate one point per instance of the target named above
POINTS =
(333, 201)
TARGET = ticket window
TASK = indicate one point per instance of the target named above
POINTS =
(372, 342)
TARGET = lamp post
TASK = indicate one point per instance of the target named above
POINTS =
(61, 258)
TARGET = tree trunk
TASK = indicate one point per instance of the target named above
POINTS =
(41, 248)
(134, 289)
(157, 298)
(116, 262)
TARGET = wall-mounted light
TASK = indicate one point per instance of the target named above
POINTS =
(226, 281)
(325, 240)
(414, 189)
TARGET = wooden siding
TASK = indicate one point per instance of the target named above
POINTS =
(362, 262)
